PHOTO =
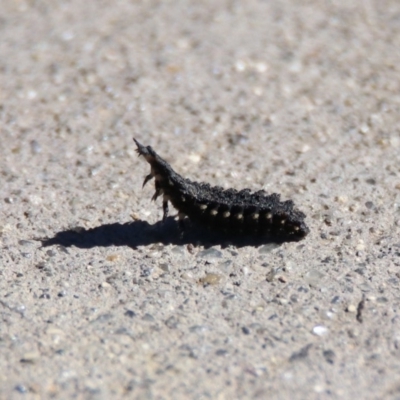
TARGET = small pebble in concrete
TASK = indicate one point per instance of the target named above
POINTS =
(329, 356)
(130, 313)
(210, 279)
(320, 330)
(148, 317)
(21, 388)
(165, 267)
(267, 248)
(314, 277)
(351, 308)
(35, 147)
(210, 254)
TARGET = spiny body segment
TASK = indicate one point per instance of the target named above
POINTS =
(232, 211)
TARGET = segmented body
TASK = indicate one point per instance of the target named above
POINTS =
(231, 211)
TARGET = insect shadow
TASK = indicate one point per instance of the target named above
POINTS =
(141, 233)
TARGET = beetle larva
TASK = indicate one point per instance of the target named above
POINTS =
(235, 212)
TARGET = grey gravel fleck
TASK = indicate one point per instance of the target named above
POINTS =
(103, 318)
(303, 289)
(301, 354)
(267, 248)
(77, 228)
(230, 296)
(246, 330)
(382, 299)
(189, 351)
(365, 287)
(123, 331)
(148, 317)
(21, 388)
(258, 328)
(393, 281)
(294, 298)
(130, 313)
(314, 277)
(271, 274)
(199, 328)
(63, 249)
(210, 254)
(329, 356)
(25, 242)
(179, 250)
(369, 205)
(172, 322)
(360, 310)
(35, 147)
(360, 270)
(336, 300)
(165, 267)
(145, 271)
(157, 247)
(226, 266)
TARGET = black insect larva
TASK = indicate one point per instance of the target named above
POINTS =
(235, 212)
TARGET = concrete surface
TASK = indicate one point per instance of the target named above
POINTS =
(296, 97)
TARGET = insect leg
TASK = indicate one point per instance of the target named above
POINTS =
(181, 223)
(148, 177)
(156, 194)
(158, 191)
(165, 209)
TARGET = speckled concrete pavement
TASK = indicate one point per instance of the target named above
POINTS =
(296, 97)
